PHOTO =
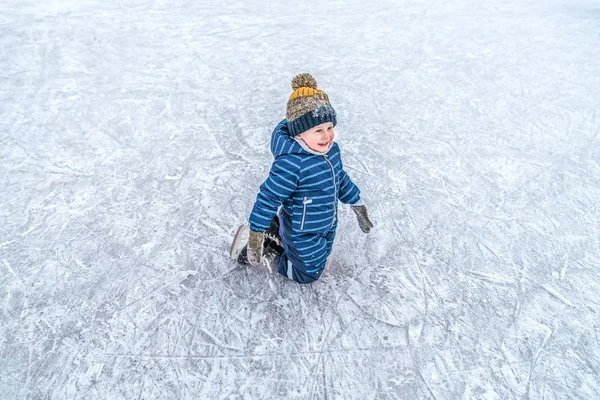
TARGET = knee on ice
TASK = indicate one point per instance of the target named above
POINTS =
(307, 278)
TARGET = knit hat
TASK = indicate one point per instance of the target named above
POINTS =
(308, 106)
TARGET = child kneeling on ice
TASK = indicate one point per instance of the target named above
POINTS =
(306, 179)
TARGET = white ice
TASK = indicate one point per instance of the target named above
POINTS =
(134, 136)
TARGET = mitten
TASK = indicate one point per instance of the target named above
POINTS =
(363, 218)
(255, 241)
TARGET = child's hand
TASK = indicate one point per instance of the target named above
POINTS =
(363, 218)
(255, 241)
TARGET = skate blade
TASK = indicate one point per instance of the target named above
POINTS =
(240, 240)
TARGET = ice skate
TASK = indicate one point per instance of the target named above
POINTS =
(272, 231)
(270, 251)
(240, 241)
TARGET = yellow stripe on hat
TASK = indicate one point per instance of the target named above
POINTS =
(304, 92)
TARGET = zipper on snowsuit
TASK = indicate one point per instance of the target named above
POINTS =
(334, 191)
(305, 202)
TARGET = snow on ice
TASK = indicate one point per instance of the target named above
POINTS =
(134, 136)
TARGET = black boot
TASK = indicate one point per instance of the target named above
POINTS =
(272, 232)
(270, 247)
(243, 256)
(270, 252)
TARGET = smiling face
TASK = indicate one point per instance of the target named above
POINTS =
(319, 138)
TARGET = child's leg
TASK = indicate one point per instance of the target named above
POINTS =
(293, 272)
(330, 236)
(291, 264)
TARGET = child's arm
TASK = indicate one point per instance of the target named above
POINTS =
(349, 193)
(278, 187)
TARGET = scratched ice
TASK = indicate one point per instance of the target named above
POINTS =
(133, 138)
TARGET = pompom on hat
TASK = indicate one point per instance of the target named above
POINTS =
(308, 106)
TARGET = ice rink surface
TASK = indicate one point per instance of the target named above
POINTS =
(134, 136)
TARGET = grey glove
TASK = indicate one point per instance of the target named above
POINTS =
(363, 218)
(255, 242)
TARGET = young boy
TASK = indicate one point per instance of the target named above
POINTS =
(306, 179)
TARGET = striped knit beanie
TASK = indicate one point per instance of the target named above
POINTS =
(308, 106)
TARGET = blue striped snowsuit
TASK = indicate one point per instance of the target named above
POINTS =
(308, 187)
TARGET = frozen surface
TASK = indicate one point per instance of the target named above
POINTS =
(133, 138)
